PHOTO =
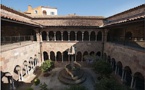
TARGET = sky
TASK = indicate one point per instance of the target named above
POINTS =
(80, 7)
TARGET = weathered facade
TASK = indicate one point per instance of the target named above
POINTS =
(119, 39)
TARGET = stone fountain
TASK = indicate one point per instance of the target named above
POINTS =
(72, 73)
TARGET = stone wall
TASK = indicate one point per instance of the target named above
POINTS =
(64, 45)
(16, 56)
(128, 56)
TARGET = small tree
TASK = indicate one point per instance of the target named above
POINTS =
(110, 84)
(43, 86)
(103, 68)
(47, 66)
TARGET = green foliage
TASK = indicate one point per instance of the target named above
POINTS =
(47, 65)
(29, 88)
(103, 68)
(109, 84)
(36, 81)
(76, 87)
(43, 86)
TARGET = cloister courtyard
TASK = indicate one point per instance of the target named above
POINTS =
(72, 52)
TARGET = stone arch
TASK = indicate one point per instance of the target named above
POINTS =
(44, 12)
(85, 53)
(108, 36)
(128, 75)
(51, 36)
(113, 64)
(65, 56)
(92, 36)
(105, 56)
(59, 56)
(98, 54)
(45, 55)
(86, 36)
(99, 36)
(109, 59)
(138, 81)
(58, 35)
(52, 56)
(72, 35)
(65, 35)
(120, 67)
(6, 77)
(79, 56)
(79, 36)
(44, 35)
(128, 35)
(92, 53)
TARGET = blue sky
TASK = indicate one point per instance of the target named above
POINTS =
(80, 7)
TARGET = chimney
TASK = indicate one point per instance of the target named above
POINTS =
(29, 8)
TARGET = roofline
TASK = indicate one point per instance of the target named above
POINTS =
(142, 5)
(13, 11)
(49, 7)
(68, 17)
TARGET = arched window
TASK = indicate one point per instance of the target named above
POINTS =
(79, 36)
(65, 56)
(79, 56)
(45, 55)
(58, 35)
(51, 36)
(44, 12)
(44, 35)
(52, 55)
(139, 81)
(92, 36)
(99, 36)
(65, 35)
(59, 56)
(128, 36)
(128, 75)
(72, 35)
(86, 36)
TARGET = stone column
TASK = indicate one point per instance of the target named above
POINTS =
(41, 37)
(89, 36)
(37, 35)
(13, 84)
(75, 36)
(61, 36)
(122, 78)
(21, 74)
(68, 36)
(116, 69)
(48, 55)
(55, 57)
(132, 82)
(47, 37)
(82, 36)
(96, 36)
(62, 57)
(54, 36)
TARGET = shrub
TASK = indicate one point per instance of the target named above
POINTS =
(43, 86)
(109, 84)
(30, 88)
(103, 68)
(47, 65)
(36, 81)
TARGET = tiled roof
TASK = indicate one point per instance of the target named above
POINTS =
(69, 20)
(8, 13)
(125, 20)
(130, 15)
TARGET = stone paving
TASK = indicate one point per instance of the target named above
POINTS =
(54, 84)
